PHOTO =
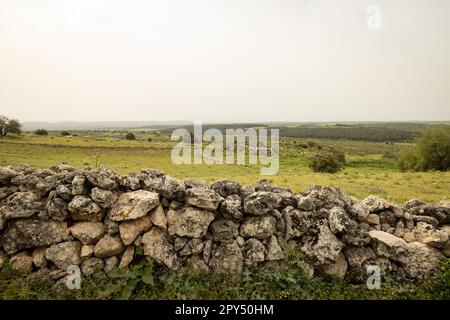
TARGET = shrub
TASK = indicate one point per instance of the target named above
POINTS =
(65, 133)
(431, 151)
(327, 160)
(130, 136)
(41, 132)
(9, 126)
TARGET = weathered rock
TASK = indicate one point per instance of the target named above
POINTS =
(388, 245)
(338, 220)
(102, 178)
(89, 266)
(226, 188)
(337, 269)
(298, 222)
(64, 254)
(6, 174)
(111, 263)
(79, 186)
(440, 213)
(260, 227)
(22, 263)
(172, 188)
(231, 208)
(32, 232)
(224, 229)
(131, 182)
(108, 246)
(38, 256)
(56, 207)
(226, 258)
(82, 208)
(429, 220)
(254, 252)
(324, 198)
(194, 183)
(88, 232)
(274, 251)
(194, 246)
(356, 237)
(127, 257)
(420, 260)
(375, 204)
(373, 219)
(130, 229)
(133, 205)
(203, 198)
(157, 246)
(197, 264)
(180, 242)
(64, 192)
(261, 202)
(189, 222)
(388, 217)
(427, 234)
(158, 217)
(22, 205)
(409, 237)
(207, 249)
(86, 251)
(104, 198)
(323, 248)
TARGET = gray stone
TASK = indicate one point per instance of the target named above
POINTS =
(203, 198)
(133, 205)
(189, 222)
(108, 246)
(82, 208)
(64, 254)
(157, 246)
(260, 227)
(88, 232)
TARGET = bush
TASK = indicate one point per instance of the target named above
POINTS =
(327, 160)
(431, 151)
(65, 133)
(130, 136)
(41, 132)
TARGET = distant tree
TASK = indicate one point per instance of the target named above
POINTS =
(65, 133)
(431, 151)
(41, 132)
(327, 160)
(9, 126)
(130, 136)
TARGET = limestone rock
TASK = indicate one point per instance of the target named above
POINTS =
(22, 263)
(38, 256)
(226, 258)
(297, 222)
(64, 254)
(388, 245)
(22, 205)
(224, 229)
(133, 205)
(104, 198)
(158, 217)
(254, 252)
(226, 188)
(89, 266)
(32, 232)
(189, 222)
(427, 234)
(375, 204)
(231, 208)
(82, 208)
(274, 250)
(127, 257)
(130, 229)
(420, 260)
(79, 186)
(108, 246)
(338, 220)
(157, 246)
(203, 198)
(260, 227)
(323, 248)
(261, 202)
(337, 269)
(88, 232)
(194, 246)
(86, 251)
(111, 263)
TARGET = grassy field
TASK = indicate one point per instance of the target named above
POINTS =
(368, 170)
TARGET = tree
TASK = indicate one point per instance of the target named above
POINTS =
(9, 126)
(65, 133)
(41, 132)
(130, 136)
(431, 151)
(327, 160)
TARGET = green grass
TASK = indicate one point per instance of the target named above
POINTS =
(367, 172)
(285, 282)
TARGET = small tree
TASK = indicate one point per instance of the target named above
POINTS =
(327, 160)
(41, 132)
(65, 133)
(9, 126)
(431, 151)
(130, 136)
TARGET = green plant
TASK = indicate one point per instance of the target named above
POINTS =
(41, 132)
(65, 133)
(9, 126)
(130, 136)
(327, 160)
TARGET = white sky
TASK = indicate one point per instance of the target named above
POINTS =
(228, 60)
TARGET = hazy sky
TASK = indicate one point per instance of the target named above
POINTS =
(227, 60)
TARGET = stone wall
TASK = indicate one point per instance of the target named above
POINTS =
(51, 219)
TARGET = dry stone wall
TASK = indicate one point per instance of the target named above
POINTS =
(52, 219)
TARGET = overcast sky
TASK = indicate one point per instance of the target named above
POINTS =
(224, 60)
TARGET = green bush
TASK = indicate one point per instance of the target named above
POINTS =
(130, 136)
(65, 133)
(327, 160)
(431, 151)
(41, 132)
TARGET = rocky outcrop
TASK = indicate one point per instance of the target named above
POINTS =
(97, 219)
